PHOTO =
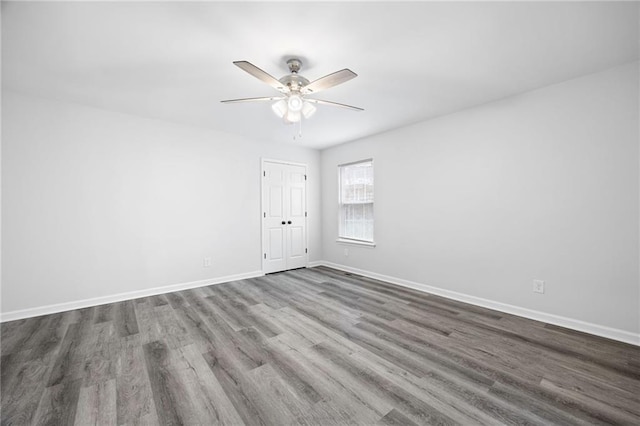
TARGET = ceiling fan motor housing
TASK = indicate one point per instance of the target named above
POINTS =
(294, 82)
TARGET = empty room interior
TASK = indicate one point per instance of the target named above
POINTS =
(320, 213)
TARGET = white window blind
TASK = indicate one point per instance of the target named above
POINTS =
(356, 201)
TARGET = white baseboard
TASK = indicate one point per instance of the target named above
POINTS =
(315, 263)
(95, 301)
(598, 330)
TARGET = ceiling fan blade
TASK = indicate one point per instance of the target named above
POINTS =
(318, 101)
(261, 75)
(269, 98)
(329, 81)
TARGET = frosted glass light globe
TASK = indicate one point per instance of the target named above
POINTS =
(294, 103)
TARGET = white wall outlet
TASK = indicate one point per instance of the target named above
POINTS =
(206, 262)
(346, 252)
(538, 286)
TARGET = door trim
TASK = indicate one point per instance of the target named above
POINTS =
(262, 207)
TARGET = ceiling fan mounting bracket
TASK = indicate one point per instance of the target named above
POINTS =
(294, 65)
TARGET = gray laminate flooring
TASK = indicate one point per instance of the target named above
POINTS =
(310, 346)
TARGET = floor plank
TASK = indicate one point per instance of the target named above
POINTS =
(97, 405)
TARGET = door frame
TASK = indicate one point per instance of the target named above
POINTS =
(262, 207)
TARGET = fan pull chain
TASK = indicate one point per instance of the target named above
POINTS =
(299, 130)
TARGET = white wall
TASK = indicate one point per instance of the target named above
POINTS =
(97, 203)
(539, 186)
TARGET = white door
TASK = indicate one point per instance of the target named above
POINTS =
(284, 216)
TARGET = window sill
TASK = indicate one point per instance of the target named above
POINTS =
(356, 242)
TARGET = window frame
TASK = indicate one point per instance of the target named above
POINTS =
(348, 240)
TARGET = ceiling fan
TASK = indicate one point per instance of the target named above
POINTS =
(293, 104)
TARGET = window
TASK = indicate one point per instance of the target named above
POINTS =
(356, 202)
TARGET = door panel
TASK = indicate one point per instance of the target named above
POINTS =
(296, 202)
(273, 231)
(284, 219)
(276, 201)
(297, 244)
(276, 244)
(296, 258)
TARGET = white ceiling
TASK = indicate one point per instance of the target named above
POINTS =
(173, 60)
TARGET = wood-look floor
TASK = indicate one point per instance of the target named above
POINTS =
(310, 346)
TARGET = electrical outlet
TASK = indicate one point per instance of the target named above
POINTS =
(206, 262)
(346, 252)
(538, 286)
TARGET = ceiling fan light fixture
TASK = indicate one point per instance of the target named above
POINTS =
(308, 109)
(280, 108)
(294, 103)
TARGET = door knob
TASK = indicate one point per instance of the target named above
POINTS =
(283, 222)
(289, 222)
